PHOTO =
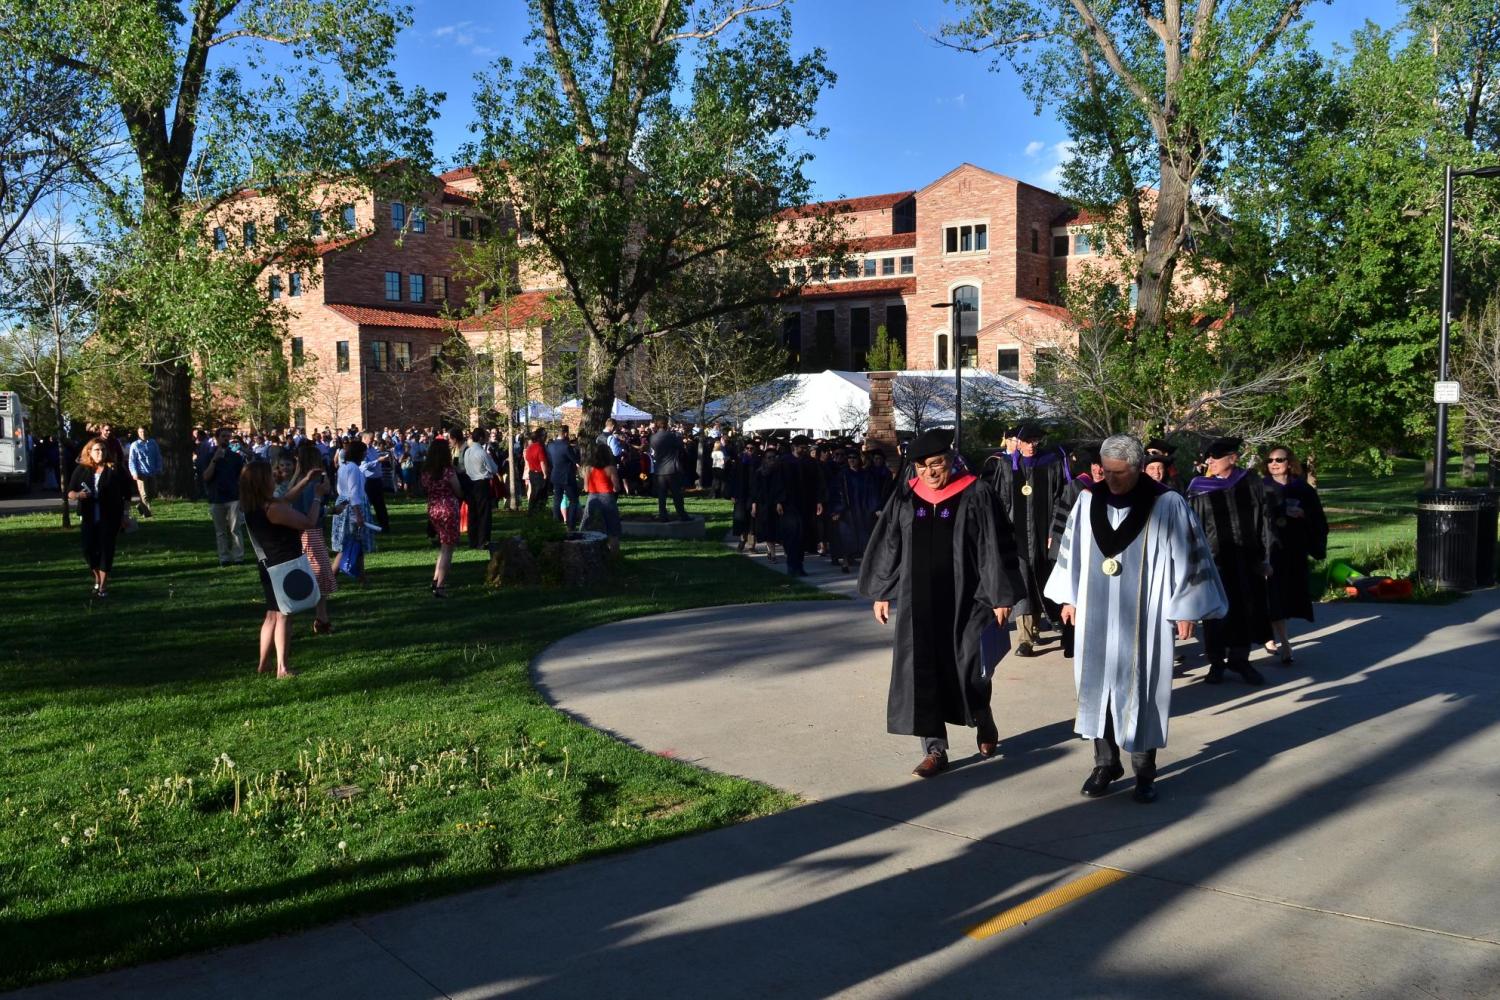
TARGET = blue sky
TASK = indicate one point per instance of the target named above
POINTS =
(904, 111)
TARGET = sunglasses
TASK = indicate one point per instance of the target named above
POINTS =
(1278, 460)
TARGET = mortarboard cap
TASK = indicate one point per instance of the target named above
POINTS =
(1028, 431)
(931, 442)
(1223, 446)
(1161, 445)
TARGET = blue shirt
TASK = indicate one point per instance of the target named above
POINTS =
(224, 487)
(145, 458)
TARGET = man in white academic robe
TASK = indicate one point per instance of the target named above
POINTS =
(1133, 571)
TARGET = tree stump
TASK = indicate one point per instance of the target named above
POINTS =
(512, 564)
(585, 558)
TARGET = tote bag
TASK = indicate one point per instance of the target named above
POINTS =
(295, 585)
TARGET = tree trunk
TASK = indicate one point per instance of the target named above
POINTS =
(1160, 261)
(599, 399)
(57, 414)
(171, 420)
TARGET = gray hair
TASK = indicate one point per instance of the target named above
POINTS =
(1124, 448)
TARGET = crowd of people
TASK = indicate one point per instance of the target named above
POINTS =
(1109, 546)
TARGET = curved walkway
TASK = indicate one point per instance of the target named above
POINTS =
(1328, 835)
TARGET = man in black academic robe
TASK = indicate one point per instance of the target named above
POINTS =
(1029, 481)
(943, 553)
(1238, 518)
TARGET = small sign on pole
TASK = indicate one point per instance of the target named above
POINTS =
(1445, 392)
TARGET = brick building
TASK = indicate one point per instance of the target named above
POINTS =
(999, 245)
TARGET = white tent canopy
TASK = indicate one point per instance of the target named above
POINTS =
(833, 401)
(535, 410)
(621, 410)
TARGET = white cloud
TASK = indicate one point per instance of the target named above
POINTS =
(957, 100)
(1055, 158)
(465, 34)
(1034, 147)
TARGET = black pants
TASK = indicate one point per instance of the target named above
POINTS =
(668, 482)
(99, 542)
(1107, 754)
(1216, 644)
(375, 493)
(789, 533)
(987, 733)
(538, 500)
(481, 511)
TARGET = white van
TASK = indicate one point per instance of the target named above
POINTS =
(15, 433)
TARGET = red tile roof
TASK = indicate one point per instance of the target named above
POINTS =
(868, 203)
(868, 244)
(1079, 217)
(526, 310)
(407, 319)
(457, 174)
(1023, 306)
(855, 287)
(453, 195)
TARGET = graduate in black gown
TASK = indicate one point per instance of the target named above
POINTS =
(1302, 531)
(1237, 514)
(942, 553)
(852, 505)
(765, 496)
(737, 480)
(1029, 480)
(881, 477)
(1084, 460)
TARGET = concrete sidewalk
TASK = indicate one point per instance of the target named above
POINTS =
(1331, 834)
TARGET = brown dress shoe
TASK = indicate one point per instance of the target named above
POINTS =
(988, 750)
(932, 764)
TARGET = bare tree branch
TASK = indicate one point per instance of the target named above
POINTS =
(742, 11)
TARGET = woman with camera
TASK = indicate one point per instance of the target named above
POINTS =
(275, 528)
(301, 493)
(98, 486)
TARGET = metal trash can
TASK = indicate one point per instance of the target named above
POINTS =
(1489, 527)
(1448, 538)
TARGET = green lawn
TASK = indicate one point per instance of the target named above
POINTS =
(1372, 519)
(158, 797)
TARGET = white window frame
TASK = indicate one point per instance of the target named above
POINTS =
(1018, 348)
(960, 225)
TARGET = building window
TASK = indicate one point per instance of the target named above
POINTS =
(1059, 246)
(966, 239)
(398, 216)
(816, 272)
(279, 224)
(1008, 362)
(821, 356)
(417, 287)
(341, 350)
(275, 286)
(1081, 245)
(942, 352)
(851, 269)
(380, 355)
(393, 286)
(465, 228)
(248, 231)
(299, 418)
(296, 284)
(315, 222)
(419, 220)
(451, 226)
(895, 325)
(791, 335)
(799, 273)
(297, 354)
(784, 275)
(221, 239)
(888, 266)
(439, 288)
(966, 301)
(859, 337)
(1036, 241)
(1044, 363)
(348, 215)
(907, 264)
(402, 356)
(870, 267)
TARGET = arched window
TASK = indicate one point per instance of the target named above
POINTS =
(942, 351)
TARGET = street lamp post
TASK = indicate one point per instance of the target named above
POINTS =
(955, 333)
(1440, 472)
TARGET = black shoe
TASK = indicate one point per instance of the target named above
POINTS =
(1215, 674)
(1099, 779)
(1145, 791)
(1024, 649)
(1250, 674)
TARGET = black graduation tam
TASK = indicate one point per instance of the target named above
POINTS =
(800, 440)
(1029, 431)
(1010, 432)
(1155, 458)
(1161, 445)
(936, 441)
(1223, 446)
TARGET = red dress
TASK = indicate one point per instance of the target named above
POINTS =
(442, 507)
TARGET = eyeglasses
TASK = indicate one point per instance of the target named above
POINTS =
(1277, 460)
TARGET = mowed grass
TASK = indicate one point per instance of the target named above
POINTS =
(158, 797)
